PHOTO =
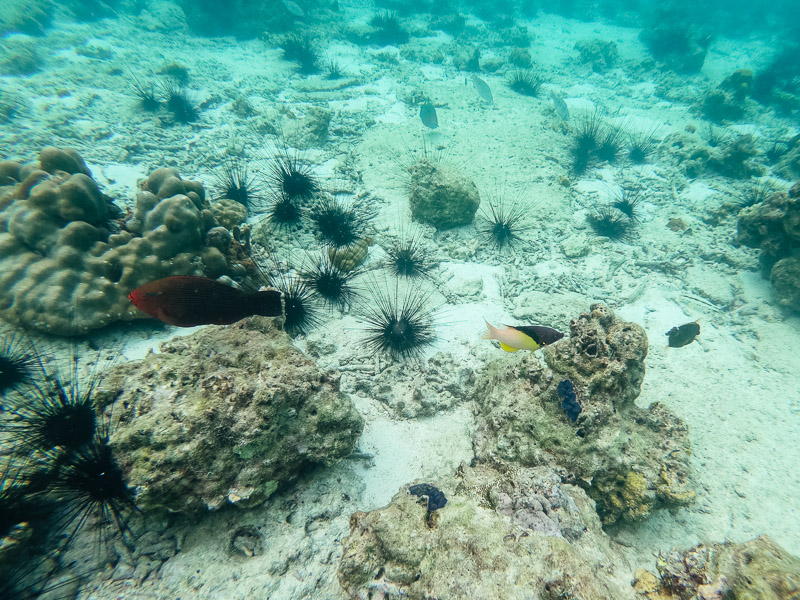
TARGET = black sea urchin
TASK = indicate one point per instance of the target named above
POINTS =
(291, 175)
(57, 413)
(235, 182)
(401, 326)
(407, 258)
(628, 201)
(333, 69)
(339, 221)
(608, 221)
(332, 284)
(20, 364)
(503, 225)
(301, 50)
(388, 29)
(299, 312)
(611, 143)
(284, 212)
(525, 82)
(586, 140)
(93, 485)
(179, 103)
(641, 144)
(146, 93)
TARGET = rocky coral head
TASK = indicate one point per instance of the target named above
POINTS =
(68, 261)
(603, 354)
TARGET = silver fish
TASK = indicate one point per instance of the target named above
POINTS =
(482, 88)
(294, 8)
(560, 106)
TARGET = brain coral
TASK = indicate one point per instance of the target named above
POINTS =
(67, 263)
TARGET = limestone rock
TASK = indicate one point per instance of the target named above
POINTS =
(630, 460)
(226, 415)
(517, 535)
(441, 196)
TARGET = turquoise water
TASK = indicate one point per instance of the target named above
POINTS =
(392, 178)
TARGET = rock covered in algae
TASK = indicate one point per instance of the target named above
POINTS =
(441, 196)
(68, 257)
(774, 226)
(516, 535)
(226, 415)
(630, 460)
(758, 569)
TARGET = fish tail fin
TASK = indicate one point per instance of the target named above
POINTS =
(490, 333)
(267, 303)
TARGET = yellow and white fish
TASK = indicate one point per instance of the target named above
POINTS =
(522, 337)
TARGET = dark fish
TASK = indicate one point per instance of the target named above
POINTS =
(569, 400)
(683, 335)
(539, 334)
(483, 89)
(188, 301)
(427, 113)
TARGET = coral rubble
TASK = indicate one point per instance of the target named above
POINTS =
(758, 568)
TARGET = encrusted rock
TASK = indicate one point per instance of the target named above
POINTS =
(630, 460)
(224, 416)
(515, 535)
(441, 196)
(774, 226)
(757, 569)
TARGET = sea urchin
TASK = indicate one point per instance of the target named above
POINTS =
(401, 326)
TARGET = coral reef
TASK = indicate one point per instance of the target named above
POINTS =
(719, 106)
(758, 568)
(226, 415)
(601, 55)
(517, 535)
(735, 159)
(774, 226)
(674, 45)
(229, 213)
(68, 259)
(441, 196)
(630, 460)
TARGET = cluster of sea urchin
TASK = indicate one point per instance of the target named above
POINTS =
(74, 479)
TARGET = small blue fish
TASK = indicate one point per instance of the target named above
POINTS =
(427, 113)
(483, 89)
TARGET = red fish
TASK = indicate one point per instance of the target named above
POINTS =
(188, 301)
